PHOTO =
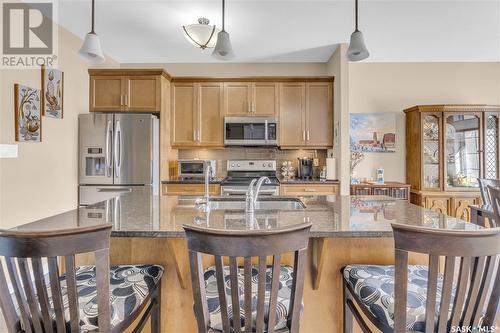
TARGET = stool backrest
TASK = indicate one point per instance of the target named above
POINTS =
(483, 186)
(24, 255)
(494, 193)
(471, 280)
(245, 245)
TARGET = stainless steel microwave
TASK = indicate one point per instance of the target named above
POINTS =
(195, 168)
(250, 131)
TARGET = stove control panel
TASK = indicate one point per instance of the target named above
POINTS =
(251, 165)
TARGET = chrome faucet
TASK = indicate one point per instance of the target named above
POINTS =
(205, 203)
(253, 193)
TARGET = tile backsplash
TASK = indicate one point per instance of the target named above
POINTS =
(222, 155)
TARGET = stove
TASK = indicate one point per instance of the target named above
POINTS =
(241, 172)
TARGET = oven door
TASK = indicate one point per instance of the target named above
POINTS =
(250, 131)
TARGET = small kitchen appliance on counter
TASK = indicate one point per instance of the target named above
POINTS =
(241, 172)
(305, 170)
(193, 169)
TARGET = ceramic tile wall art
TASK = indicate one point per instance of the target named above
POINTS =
(27, 114)
(373, 132)
(52, 92)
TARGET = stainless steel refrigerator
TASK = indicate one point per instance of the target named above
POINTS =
(118, 154)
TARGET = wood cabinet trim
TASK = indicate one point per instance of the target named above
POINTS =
(255, 79)
(129, 72)
(454, 108)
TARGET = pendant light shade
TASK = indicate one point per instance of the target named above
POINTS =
(223, 49)
(357, 50)
(202, 35)
(91, 48)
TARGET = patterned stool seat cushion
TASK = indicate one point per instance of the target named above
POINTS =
(283, 303)
(374, 287)
(129, 286)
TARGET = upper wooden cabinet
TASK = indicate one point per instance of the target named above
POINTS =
(197, 114)
(306, 114)
(126, 90)
(250, 98)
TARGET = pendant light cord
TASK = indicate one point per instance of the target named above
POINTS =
(223, 14)
(355, 13)
(93, 17)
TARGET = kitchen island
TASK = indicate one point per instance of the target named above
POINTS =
(344, 230)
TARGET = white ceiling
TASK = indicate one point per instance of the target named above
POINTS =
(143, 31)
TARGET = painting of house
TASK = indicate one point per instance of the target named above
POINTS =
(373, 132)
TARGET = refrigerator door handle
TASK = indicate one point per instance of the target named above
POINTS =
(108, 147)
(118, 149)
(118, 190)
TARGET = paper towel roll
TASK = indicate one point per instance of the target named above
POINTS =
(331, 168)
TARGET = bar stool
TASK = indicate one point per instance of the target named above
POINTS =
(83, 299)
(419, 298)
(494, 195)
(483, 186)
(270, 297)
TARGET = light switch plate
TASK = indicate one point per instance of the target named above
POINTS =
(8, 151)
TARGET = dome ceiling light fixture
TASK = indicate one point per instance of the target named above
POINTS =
(202, 35)
(91, 48)
(357, 50)
(223, 49)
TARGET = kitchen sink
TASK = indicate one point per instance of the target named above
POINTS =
(262, 204)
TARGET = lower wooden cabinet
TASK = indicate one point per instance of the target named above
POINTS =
(189, 189)
(309, 189)
(456, 204)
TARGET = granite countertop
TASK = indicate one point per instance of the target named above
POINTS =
(307, 181)
(179, 180)
(331, 216)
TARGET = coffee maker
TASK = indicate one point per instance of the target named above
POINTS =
(305, 170)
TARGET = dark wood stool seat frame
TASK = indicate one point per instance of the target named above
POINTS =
(23, 253)
(476, 282)
(247, 244)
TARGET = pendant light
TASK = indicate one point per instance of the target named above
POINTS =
(202, 35)
(223, 49)
(357, 50)
(91, 48)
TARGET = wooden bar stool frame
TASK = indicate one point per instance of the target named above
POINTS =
(20, 248)
(247, 244)
(477, 253)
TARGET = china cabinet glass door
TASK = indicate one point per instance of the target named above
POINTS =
(431, 153)
(491, 148)
(462, 151)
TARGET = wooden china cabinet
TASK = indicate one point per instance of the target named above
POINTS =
(447, 148)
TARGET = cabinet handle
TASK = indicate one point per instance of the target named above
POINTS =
(309, 190)
(303, 135)
(307, 136)
(126, 101)
(194, 135)
(121, 100)
(199, 135)
(254, 109)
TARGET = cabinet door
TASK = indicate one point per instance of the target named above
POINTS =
(319, 114)
(491, 146)
(431, 151)
(237, 98)
(292, 114)
(106, 93)
(142, 93)
(210, 96)
(460, 207)
(265, 99)
(184, 107)
(439, 205)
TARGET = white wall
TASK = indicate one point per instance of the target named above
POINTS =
(43, 180)
(392, 87)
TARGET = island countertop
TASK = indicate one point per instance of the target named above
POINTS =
(331, 216)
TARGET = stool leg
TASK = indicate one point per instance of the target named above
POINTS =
(156, 312)
(347, 325)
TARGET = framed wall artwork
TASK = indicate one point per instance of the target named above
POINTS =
(373, 132)
(27, 114)
(52, 92)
